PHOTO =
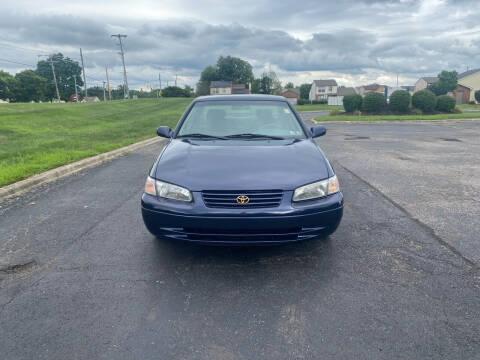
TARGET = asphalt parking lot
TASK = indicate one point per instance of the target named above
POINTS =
(82, 278)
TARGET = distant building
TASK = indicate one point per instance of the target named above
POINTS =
(365, 89)
(341, 92)
(322, 89)
(91, 99)
(423, 82)
(240, 89)
(461, 94)
(471, 80)
(292, 95)
(4, 101)
(227, 88)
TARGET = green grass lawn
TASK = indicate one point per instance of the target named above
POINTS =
(39, 137)
(315, 107)
(396, 117)
(468, 107)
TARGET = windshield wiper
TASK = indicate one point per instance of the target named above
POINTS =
(254, 136)
(202, 136)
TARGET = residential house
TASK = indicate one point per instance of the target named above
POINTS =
(365, 89)
(341, 92)
(322, 89)
(220, 88)
(240, 89)
(461, 94)
(292, 95)
(471, 80)
(423, 82)
(227, 88)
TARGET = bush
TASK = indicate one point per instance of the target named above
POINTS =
(352, 102)
(302, 101)
(416, 112)
(445, 103)
(335, 112)
(457, 110)
(424, 100)
(477, 95)
(472, 102)
(373, 102)
(400, 101)
(357, 113)
(322, 101)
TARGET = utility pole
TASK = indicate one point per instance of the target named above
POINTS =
(108, 84)
(125, 87)
(84, 76)
(76, 93)
(50, 57)
(104, 95)
(54, 78)
(159, 84)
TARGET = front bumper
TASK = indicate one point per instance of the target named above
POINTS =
(287, 223)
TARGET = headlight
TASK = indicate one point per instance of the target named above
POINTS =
(166, 190)
(317, 189)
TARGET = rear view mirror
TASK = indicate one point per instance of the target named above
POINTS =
(318, 130)
(164, 131)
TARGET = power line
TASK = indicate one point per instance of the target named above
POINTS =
(16, 62)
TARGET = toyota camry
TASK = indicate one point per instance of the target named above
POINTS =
(241, 169)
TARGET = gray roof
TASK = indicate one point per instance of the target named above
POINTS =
(296, 91)
(221, 84)
(467, 73)
(430, 79)
(329, 82)
(346, 91)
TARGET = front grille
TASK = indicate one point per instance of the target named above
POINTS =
(244, 235)
(241, 235)
(228, 199)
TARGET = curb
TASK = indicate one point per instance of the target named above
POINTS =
(22, 186)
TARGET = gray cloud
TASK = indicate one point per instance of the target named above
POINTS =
(348, 37)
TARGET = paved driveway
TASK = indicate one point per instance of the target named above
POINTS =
(432, 170)
(87, 281)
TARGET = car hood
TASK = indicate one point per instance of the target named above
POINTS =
(241, 165)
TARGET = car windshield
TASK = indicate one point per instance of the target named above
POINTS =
(241, 119)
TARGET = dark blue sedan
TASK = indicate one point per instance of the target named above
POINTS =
(241, 169)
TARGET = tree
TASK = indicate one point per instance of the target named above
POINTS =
(7, 85)
(208, 74)
(289, 85)
(29, 86)
(447, 81)
(305, 91)
(234, 69)
(65, 70)
(175, 91)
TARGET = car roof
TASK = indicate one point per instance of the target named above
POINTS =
(241, 97)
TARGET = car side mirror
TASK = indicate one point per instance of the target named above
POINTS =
(164, 131)
(318, 130)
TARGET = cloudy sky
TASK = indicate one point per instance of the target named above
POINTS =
(353, 41)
